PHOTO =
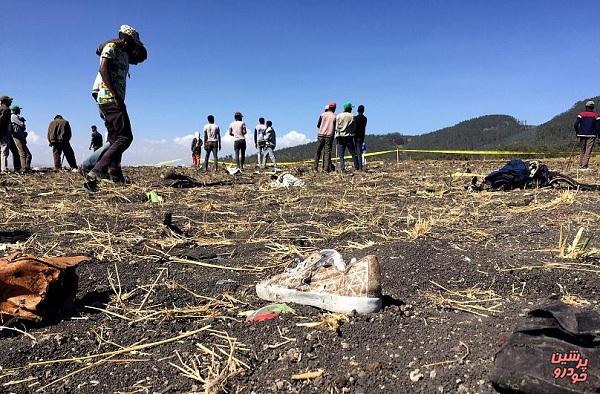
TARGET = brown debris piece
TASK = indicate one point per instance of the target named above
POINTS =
(31, 288)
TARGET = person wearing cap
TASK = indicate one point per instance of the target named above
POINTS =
(237, 129)
(326, 127)
(259, 139)
(115, 57)
(587, 127)
(360, 120)
(344, 132)
(270, 144)
(59, 137)
(19, 135)
(212, 142)
(96, 142)
(196, 149)
(6, 141)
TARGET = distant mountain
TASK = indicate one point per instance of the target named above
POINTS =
(484, 132)
(489, 132)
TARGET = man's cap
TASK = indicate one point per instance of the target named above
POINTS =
(238, 114)
(326, 107)
(590, 104)
(5, 98)
(15, 108)
(131, 32)
(348, 105)
(332, 105)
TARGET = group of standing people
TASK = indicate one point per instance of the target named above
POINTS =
(265, 142)
(13, 137)
(348, 130)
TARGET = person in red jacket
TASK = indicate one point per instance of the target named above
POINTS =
(587, 127)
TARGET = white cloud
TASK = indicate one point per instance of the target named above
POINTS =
(185, 140)
(33, 138)
(161, 141)
(292, 138)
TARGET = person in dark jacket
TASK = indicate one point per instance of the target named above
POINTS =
(59, 137)
(19, 136)
(587, 127)
(6, 142)
(196, 150)
(360, 129)
(96, 142)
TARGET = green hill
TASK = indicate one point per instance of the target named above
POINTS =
(484, 132)
(558, 133)
(489, 132)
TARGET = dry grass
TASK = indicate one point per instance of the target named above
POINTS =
(473, 300)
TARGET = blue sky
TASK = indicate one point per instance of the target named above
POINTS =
(416, 65)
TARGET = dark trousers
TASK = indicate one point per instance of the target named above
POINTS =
(343, 144)
(358, 144)
(240, 153)
(120, 137)
(58, 148)
(211, 147)
(324, 145)
(587, 144)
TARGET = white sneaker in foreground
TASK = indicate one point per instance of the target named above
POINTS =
(320, 281)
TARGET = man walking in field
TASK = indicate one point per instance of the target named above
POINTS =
(212, 142)
(326, 127)
(360, 130)
(344, 132)
(237, 129)
(587, 127)
(59, 137)
(115, 57)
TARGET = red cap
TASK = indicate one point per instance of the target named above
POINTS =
(332, 104)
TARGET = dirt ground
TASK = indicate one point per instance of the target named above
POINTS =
(157, 311)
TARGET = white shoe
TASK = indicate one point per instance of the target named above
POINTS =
(321, 281)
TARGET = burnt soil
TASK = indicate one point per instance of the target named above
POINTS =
(431, 237)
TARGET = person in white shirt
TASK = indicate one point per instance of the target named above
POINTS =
(212, 142)
(237, 129)
(259, 138)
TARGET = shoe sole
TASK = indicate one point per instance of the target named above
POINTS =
(327, 301)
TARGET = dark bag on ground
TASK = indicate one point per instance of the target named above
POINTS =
(527, 363)
(513, 175)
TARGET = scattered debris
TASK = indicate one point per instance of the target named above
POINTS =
(33, 288)
(287, 180)
(332, 321)
(267, 312)
(415, 375)
(154, 197)
(308, 375)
